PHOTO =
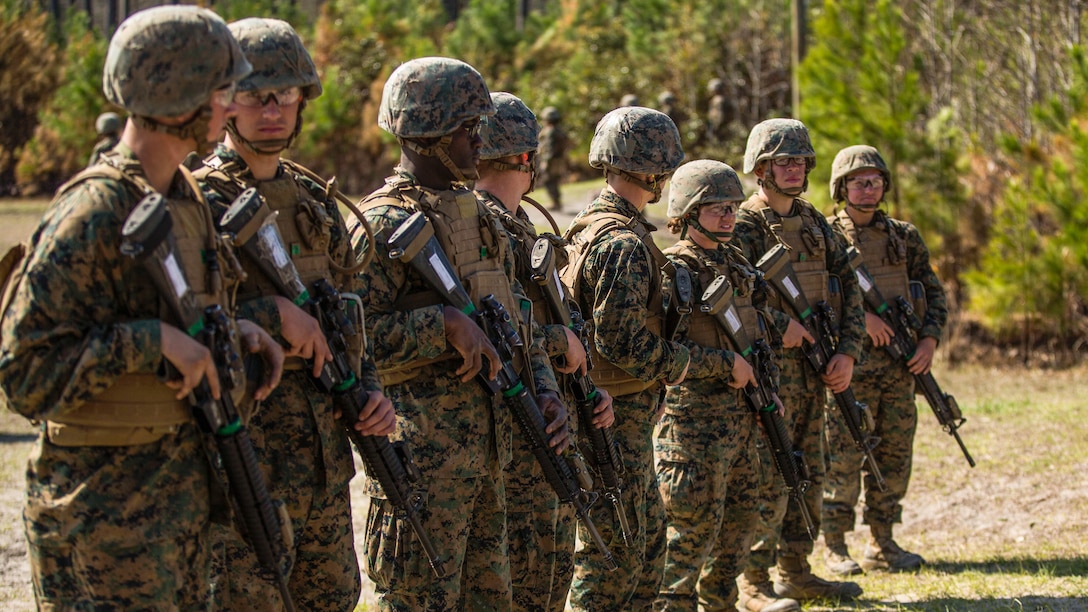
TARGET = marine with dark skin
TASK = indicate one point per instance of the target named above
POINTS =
(428, 352)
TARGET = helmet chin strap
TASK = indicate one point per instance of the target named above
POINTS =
(195, 129)
(692, 220)
(655, 187)
(268, 146)
(529, 167)
(865, 208)
(769, 182)
(441, 150)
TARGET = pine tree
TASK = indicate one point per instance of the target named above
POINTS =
(28, 78)
(1032, 280)
(858, 86)
(65, 134)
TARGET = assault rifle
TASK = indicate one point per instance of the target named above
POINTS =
(253, 227)
(147, 237)
(900, 316)
(679, 305)
(414, 242)
(605, 457)
(819, 321)
(717, 301)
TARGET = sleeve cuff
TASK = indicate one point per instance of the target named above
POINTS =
(431, 338)
(264, 312)
(931, 331)
(142, 342)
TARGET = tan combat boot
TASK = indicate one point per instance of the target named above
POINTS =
(883, 553)
(838, 557)
(796, 580)
(757, 594)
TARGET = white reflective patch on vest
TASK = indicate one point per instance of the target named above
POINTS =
(732, 318)
(559, 285)
(448, 283)
(791, 288)
(863, 280)
(274, 246)
(175, 275)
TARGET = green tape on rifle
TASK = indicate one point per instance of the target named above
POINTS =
(518, 388)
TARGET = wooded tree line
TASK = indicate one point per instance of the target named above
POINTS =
(978, 106)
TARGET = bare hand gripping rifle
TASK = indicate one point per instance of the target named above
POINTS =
(900, 316)
(717, 301)
(819, 320)
(253, 228)
(605, 457)
(414, 243)
(147, 236)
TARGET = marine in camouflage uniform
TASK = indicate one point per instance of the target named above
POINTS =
(894, 253)
(615, 275)
(108, 126)
(302, 449)
(552, 154)
(541, 529)
(719, 112)
(666, 103)
(707, 467)
(780, 154)
(428, 353)
(119, 486)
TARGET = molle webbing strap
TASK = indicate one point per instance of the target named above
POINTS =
(880, 254)
(804, 242)
(136, 409)
(702, 328)
(134, 400)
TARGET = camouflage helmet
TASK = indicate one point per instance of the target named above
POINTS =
(278, 56)
(512, 130)
(629, 100)
(550, 114)
(852, 159)
(430, 97)
(703, 181)
(666, 97)
(636, 139)
(167, 61)
(778, 138)
(108, 123)
(716, 86)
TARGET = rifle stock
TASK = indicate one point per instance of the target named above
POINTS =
(717, 301)
(900, 316)
(389, 463)
(414, 242)
(819, 321)
(605, 457)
